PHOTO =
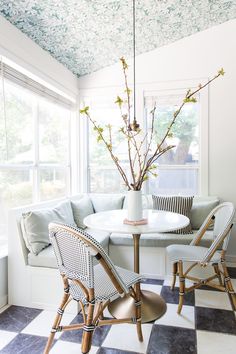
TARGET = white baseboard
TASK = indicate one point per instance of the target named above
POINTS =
(3, 301)
(153, 276)
(4, 308)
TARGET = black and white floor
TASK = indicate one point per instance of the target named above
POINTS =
(207, 325)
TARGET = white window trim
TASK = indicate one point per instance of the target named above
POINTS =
(36, 165)
(175, 86)
(82, 175)
(75, 151)
(204, 143)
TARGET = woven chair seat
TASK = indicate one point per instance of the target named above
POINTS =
(188, 253)
(104, 288)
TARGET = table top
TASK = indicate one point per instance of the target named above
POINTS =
(158, 221)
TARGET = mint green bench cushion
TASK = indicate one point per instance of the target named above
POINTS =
(46, 258)
(35, 223)
(159, 239)
(104, 202)
(81, 208)
(201, 207)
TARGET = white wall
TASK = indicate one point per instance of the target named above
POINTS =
(197, 56)
(23, 51)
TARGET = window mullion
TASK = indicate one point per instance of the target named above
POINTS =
(74, 152)
(68, 164)
(36, 177)
(204, 151)
(84, 158)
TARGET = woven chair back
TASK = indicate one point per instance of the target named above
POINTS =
(73, 255)
(223, 220)
(75, 251)
(224, 214)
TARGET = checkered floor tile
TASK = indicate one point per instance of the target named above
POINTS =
(207, 325)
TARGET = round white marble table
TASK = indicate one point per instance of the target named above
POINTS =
(153, 306)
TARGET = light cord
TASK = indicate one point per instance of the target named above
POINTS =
(134, 59)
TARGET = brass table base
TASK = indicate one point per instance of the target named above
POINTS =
(153, 306)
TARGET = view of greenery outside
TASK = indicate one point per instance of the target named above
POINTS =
(16, 138)
(53, 133)
(103, 175)
(53, 183)
(177, 170)
(34, 149)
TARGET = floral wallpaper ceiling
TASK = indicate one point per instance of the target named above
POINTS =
(87, 35)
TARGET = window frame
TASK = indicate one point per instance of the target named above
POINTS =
(36, 166)
(183, 86)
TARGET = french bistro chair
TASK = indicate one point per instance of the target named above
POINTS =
(91, 285)
(181, 255)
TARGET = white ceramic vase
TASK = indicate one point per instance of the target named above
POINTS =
(134, 205)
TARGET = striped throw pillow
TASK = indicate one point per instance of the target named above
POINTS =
(175, 204)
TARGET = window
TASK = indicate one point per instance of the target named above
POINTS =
(178, 169)
(34, 148)
(103, 175)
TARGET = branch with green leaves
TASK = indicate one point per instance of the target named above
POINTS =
(189, 98)
(108, 143)
(141, 164)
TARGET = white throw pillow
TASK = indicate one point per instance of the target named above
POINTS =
(81, 208)
(104, 202)
(35, 225)
(200, 210)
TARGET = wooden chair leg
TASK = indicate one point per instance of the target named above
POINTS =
(56, 322)
(175, 269)
(181, 286)
(217, 271)
(88, 330)
(228, 285)
(138, 312)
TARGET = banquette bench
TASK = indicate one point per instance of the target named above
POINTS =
(34, 280)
